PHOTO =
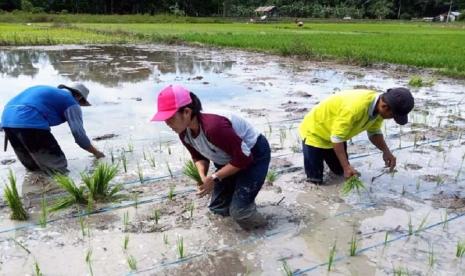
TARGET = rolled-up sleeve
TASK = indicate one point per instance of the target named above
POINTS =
(74, 117)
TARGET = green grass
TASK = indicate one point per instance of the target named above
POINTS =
(191, 171)
(76, 195)
(353, 245)
(428, 45)
(353, 183)
(13, 200)
(98, 182)
(460, 251)
(180, 247)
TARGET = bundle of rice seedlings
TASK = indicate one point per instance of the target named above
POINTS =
(13, 200)
(75, 195)
(271, 176)
(191, 171)
(98, 182)
(353, 183)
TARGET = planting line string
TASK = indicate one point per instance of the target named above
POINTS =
(207, 252)
(300, 272)
(100, 210)
(246, 241)
(133, 203)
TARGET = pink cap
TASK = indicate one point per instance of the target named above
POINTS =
(170, 99)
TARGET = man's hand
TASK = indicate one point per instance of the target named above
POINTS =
(389, 160)
(349, 171)
(206, 187)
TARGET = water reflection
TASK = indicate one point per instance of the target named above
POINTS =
(109, 65)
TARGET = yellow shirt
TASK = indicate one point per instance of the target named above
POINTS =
(341, 117)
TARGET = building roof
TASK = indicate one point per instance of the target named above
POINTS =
(265, 9)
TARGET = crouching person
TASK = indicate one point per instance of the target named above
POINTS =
(239, 152)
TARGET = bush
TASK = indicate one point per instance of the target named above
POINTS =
(462, 15)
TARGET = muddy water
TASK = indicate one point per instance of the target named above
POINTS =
(274, 93)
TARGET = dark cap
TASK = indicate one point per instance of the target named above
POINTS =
(401, 102)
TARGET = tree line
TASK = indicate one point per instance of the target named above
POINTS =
(389, 9)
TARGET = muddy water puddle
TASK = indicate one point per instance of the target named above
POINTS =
(305, 220)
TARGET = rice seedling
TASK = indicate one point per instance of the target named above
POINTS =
(165, 239)
(130, 147)
(125, 242)
(282, 136)
(431, 257)
(386, 237)
(152, 162)
(82, 225)
(271, 176)
(125, 221)
(460, 250)
(75, 195)
(140, 173)
(135, 198)
(410, 225)
(90, 202)
(353, 245)
(132, 263)
(169, 169)
(22, 246)
(439, 180)
(460, 168)
(112, 155)
(13, 200)
(43, 212)
(180, 247)
(98, 182)
(124, 161)
(156, 215)
(143, 154)
(445, 220)
(171, 193)
(190, 170)
(403, 190)
(353, 183)
(400, 137)
(332, 254)
(418, 81)
(190, 208)
(169, 148)
(422, 223)
(400, 271)
(418, 184)
(286, 268)
(37, 271)
(89, 261)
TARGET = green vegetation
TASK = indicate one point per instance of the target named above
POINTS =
(364, 43)
(353, 245)
(13, 200)
(353, 183)
(460, 252)
(132, 263)
(418, 81)
(97, 188)
(37, 271)
(180, 247)
(43, 212)
(98, 182)
(271, 176)
(286, 268)
(332, 254)
(191, 171)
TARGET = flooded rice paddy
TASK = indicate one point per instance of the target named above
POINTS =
(409, 220)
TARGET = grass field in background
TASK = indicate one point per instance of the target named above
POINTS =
(426, 45)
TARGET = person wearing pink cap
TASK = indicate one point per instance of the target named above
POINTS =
(239, 152)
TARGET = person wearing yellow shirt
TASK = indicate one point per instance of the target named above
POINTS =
(327, 127)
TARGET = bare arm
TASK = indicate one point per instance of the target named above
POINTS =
(380, 143)
(343, 160)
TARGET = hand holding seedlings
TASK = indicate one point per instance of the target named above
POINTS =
(389, 160)
(206, 187)
(350, 184)
(350, 172)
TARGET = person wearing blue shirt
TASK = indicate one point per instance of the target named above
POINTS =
(27, 118)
